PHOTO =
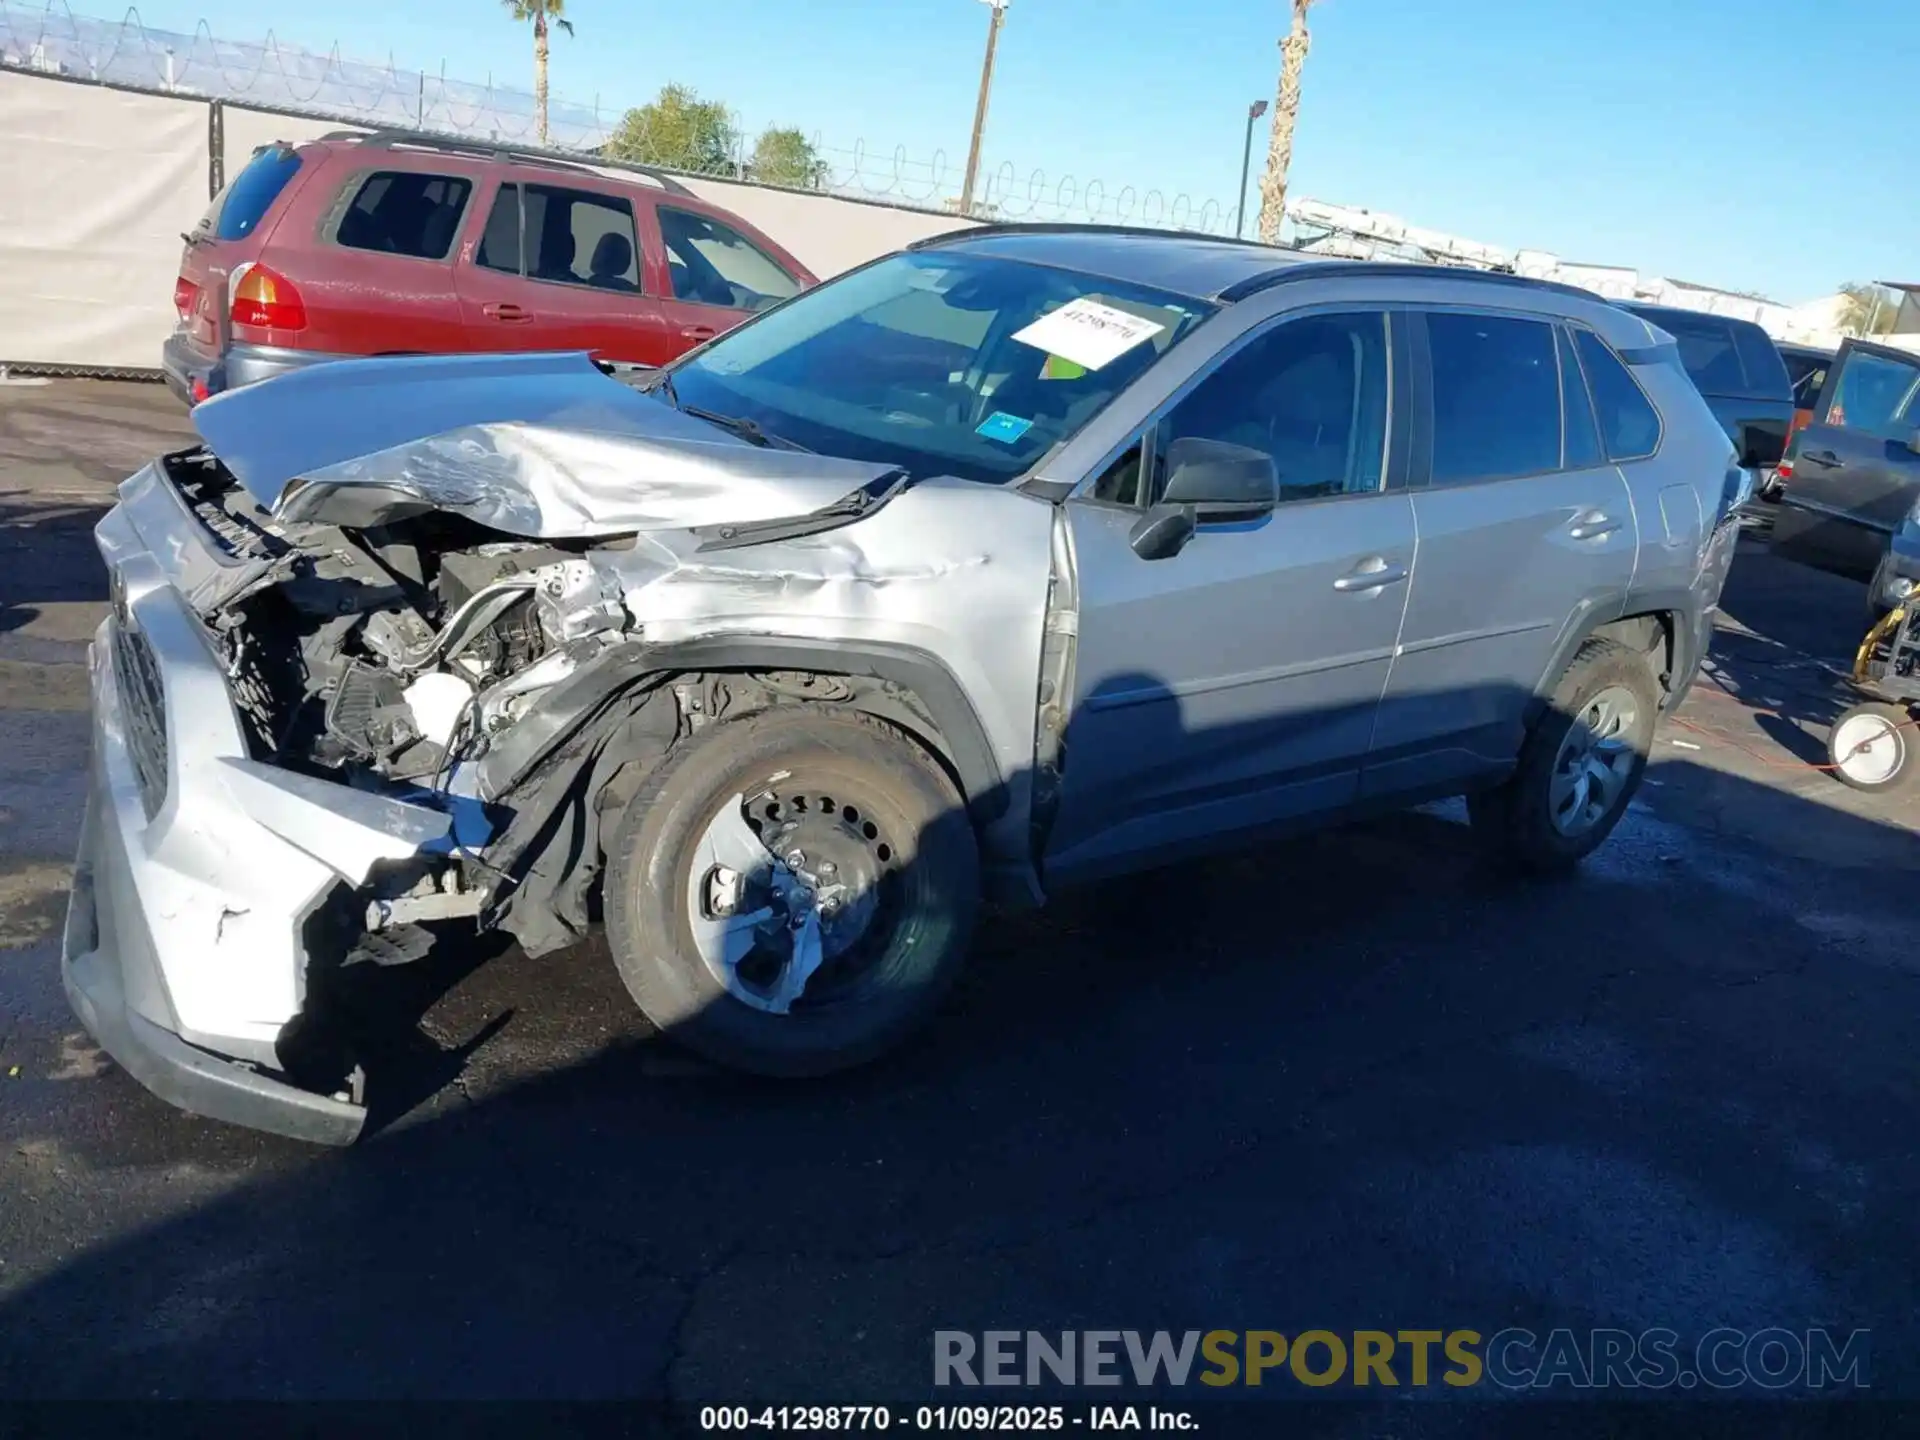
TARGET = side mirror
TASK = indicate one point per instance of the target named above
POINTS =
(1221, 481)
(1207, 480)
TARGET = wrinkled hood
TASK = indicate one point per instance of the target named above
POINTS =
(545, 446)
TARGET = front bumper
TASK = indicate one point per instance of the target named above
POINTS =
(186, 952)
(195, 374)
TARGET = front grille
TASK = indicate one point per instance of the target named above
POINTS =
(143, 702)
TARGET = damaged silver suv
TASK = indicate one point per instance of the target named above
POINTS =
(1022, 557)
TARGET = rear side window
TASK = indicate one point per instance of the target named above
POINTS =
(1707, 352)
(251, 193)
(1766, 371)
(711, 263)
(572, 237)
(1496, 397)
(1629, 425)
(396, 212)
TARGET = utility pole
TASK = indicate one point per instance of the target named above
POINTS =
(999, 8)
(1254, 112)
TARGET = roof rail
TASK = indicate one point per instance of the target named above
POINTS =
(1072, 227)
(490, 150)
(1325, 264)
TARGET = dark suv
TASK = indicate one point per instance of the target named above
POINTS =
(401, 244)
(1737, 368)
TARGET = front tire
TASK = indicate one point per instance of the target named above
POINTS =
(1579, 766)
(793, 892)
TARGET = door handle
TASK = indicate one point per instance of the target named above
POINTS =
(698, 332)
(1370, 574)
(1821, 457)
(506, 312)
(1593, 525)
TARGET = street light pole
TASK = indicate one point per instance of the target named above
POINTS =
(999, 8)
(1254, 112)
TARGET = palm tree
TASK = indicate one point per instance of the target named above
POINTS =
(1286, 110)
(540, 12)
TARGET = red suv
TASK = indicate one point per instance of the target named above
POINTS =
(398, 244)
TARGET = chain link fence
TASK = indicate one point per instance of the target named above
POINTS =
(49, 37)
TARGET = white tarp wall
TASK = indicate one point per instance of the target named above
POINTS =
(95, 187)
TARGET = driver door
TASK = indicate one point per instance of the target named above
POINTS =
(711, 276)
(1233, 685)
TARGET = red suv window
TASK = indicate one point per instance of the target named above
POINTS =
(574, 237)
(400, 212)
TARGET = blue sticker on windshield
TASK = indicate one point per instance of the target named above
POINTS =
(1003, 427)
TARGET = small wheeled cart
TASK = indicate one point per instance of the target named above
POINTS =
(1872, 745)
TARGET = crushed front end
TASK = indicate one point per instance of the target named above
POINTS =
(273, 797)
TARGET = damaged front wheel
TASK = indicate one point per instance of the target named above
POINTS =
(791, 893)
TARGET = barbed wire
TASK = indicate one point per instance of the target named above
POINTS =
(48, 36)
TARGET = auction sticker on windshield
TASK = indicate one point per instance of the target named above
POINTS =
(1088, 333)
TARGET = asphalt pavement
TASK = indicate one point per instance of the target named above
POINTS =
(1352, 1082)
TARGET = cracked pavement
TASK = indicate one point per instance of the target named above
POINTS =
(1349, 1082)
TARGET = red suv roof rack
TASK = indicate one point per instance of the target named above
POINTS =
(419, 139)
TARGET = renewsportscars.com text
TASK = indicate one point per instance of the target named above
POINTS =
(1771, 1358)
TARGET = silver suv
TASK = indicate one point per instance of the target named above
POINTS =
(1022, 557)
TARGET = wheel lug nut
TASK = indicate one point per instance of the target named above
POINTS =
(796, 858)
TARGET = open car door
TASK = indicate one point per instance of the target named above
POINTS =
(1853, 474)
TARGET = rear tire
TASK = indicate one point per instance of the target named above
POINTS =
(1871, 747)
(808, 779)
(1579, 766)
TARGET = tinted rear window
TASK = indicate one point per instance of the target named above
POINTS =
(1766, 371)
(1707, 351)
(1629, 425)
(252, 192)
(397, 212)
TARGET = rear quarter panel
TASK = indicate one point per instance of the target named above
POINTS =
(362, 302)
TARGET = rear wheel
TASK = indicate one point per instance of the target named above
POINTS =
(1871, 746)
(792, 893)
(1579, 766)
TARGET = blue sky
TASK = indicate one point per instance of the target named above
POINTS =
(1672, 135)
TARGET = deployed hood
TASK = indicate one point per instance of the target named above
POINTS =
(544, 446)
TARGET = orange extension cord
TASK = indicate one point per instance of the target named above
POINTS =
(1767, 760)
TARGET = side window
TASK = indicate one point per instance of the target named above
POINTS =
(1120, 484)
(1629, 425)
(397, 212)
(1496, 397)
(1707, 352)
(500, 244)
(575, 237)
(1312, 393)
(711, 263)
(1583, 438)
(1876, 394)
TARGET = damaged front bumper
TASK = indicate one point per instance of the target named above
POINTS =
(187, 951)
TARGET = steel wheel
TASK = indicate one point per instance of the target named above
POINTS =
(787, 896)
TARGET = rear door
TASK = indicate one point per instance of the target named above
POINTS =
(713, 274)
(558, 266)
(377, 278)
(1525, 531)
(1853, 474)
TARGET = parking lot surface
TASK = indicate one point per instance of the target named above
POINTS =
(1352, 1082)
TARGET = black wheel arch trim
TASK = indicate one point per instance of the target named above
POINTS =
(1680, 606)
(968, 748)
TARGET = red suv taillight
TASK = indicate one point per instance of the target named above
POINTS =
(266, 300)
(185, 292)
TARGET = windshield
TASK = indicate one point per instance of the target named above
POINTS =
(939, 362)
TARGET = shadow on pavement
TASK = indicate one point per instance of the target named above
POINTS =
(1348, 1081)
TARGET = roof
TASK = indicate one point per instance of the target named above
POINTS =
(1199, 266)
(1202, 267)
